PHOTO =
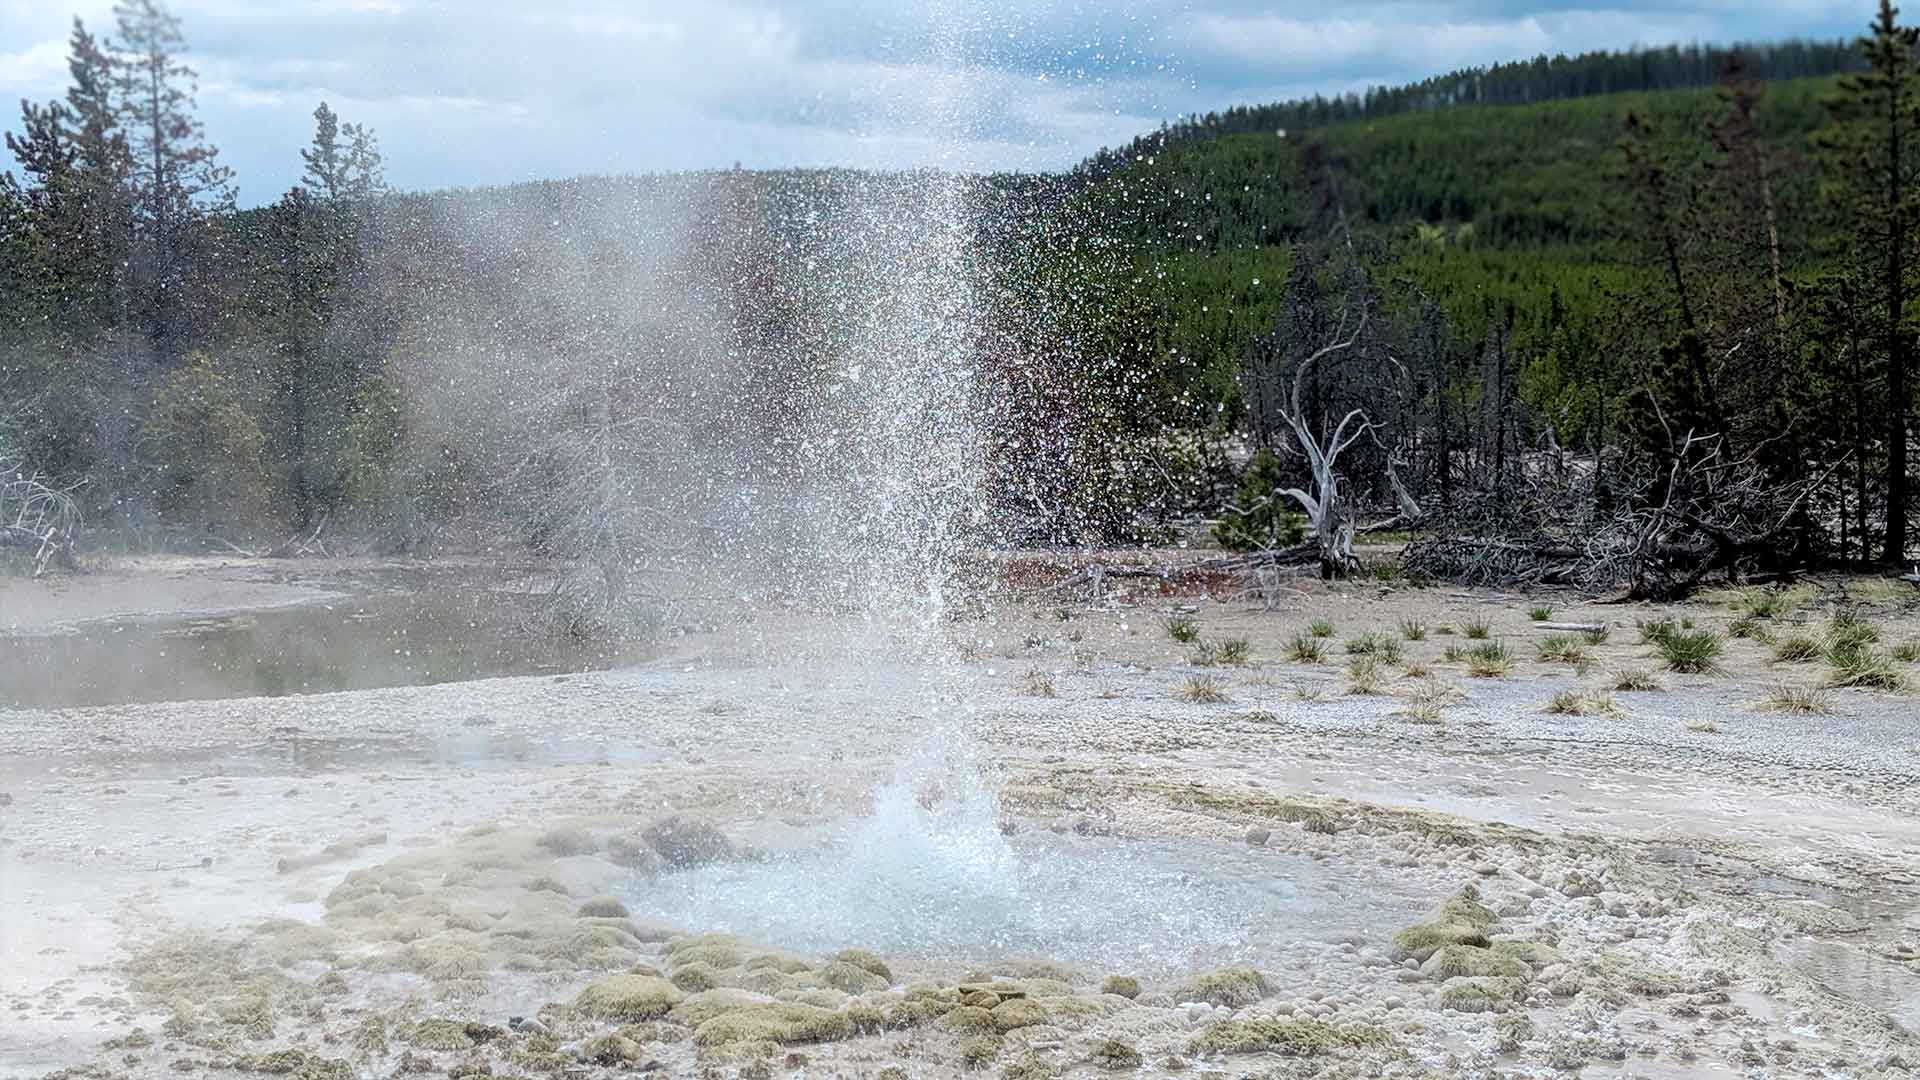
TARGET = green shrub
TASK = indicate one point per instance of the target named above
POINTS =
(1476, 628)
(210, 450)
(1540, 613)
(1259, 518)
(1184, 629)
(1321, 627)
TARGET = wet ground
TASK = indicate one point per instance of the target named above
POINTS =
(235, 879)
(352, 633)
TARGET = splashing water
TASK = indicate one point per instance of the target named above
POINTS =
(930, 875)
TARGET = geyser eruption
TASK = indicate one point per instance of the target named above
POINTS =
(931, 875)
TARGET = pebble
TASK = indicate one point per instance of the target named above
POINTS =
(1258, 837)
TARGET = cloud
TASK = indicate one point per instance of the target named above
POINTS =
(486, 91)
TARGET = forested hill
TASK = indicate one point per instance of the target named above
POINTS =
(1525, 215)
(1520, 82)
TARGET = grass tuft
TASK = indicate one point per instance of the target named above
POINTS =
(1562, 648)
(1413, 629)
(1201, 690)
(1184, 629)
(1857, 666)
(1037, 683)
(1476, 628)
(1230, 653)
(1654, 631)
(1598, 635)
(1691, 652)
(1797, 649)
(1367, 675)
(1489, 660)
(1578, 702)
(1540, 613)
(1384, 647)
(1321, 628)
(1305, 648)
(1907, 652)
(1637, 679)
(1786, 697)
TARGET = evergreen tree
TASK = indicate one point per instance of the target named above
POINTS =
(1875, 144)
(326, 171)
(176, 174)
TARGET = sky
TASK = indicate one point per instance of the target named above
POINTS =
(472, 92)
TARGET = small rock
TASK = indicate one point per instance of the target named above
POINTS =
(1258, 837)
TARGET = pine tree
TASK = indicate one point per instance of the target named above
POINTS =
(176, 174)
(1875, 142)
(326, 173)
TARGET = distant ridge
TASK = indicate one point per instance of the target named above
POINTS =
(1518, 82)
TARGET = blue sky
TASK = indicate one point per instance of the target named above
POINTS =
(490, 91)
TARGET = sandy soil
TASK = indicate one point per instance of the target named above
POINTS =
(379, 882)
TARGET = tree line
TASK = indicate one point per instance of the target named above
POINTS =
(1687, 301)
(1671, 293)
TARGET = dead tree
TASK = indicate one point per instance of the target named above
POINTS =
(1331, 526)
(1702, 512)
(37, 518)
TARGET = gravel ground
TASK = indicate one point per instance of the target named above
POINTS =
(1741, 899)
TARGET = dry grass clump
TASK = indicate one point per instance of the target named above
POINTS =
(1786, 697)
(1582, 702)
(1540, 613)
(1384, 647)
(1797, 649)
(1476, 628)
(1847, 625)
(1598, 635)
(1184, 629)
(1201, 690)
(1037, 683)
(1230, 653)
(1321, 627)
(1428, 699)
(1637, 679)
(1367, 675)
(1750, 628)
(1413, 629)
(1908, 651)
(1764, 603)
(1562, 648)
(1489, 660)
(1309, 691)
(1307, 648)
